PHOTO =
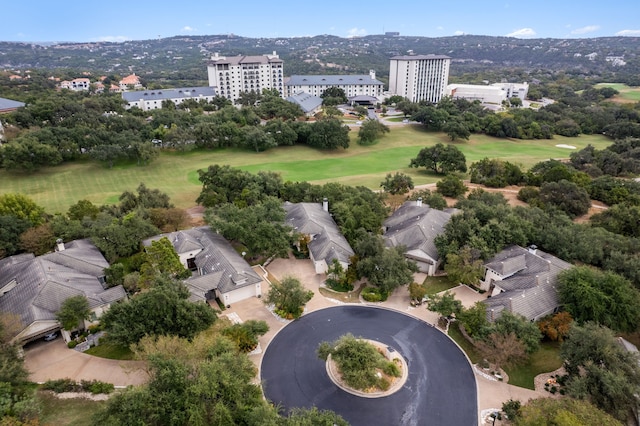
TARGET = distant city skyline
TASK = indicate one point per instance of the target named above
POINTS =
(117, 20)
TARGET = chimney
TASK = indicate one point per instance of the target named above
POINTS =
(325, 204)
(372, 74)
(59, 244)
(533, 249)
(275, 54)
(419, 202)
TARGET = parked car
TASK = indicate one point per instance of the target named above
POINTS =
(51, 336)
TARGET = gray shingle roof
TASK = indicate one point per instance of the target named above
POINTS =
(307, 102)
(163, 94)
(328, 243)
(416, 227)
(245, 59)
(331, 80)
(529, 291)
(219, 265)
(8, 104)
(44, 282)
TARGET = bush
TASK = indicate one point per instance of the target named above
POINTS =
(391, 369)
(96, 386)
(61, 385)
(373, 294)
(72, 344)
(451, 185)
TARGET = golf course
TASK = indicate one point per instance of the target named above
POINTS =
(176, 173)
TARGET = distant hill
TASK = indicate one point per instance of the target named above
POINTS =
(184, 58)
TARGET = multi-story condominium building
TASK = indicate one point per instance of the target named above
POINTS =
(234, 75)
(353, 85)
(152, 99)
(419, 77)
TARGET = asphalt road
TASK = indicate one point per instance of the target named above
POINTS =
(440, 389)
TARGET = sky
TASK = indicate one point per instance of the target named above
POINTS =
(118, 20)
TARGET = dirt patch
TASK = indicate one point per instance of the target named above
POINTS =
(196, 215)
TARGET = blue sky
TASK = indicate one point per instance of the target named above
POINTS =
(117, 20)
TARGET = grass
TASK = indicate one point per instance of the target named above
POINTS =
(175, 173)
(61, 412)
(627, 93)
(467, 347)
(111, 351)
(544, 360)
(437, 284)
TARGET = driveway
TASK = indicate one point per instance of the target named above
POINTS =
(54, 360)
(440, 389)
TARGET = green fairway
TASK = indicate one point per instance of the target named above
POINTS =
(626, 92)
(57, 188)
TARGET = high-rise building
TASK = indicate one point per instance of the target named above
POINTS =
(237, 74)
(419, 77)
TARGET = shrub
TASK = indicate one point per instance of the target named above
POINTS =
(72, 344)
(372, 294)
(61, 385)
(391, 369)
(96, 386)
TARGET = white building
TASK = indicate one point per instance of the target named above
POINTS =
(353, 85)
(77, 84)
(152, 99)
(237, 74)
(419, 77)
(492, 94)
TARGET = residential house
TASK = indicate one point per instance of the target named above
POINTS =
(310, 104)
(33, 288)
(152, 99)
(326, 242)
(130, 82)
(522, 281)
(77, 84)
(218, 270)
(8, 105)
(353, 85)
(415, 226)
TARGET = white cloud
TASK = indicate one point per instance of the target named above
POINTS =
(440, 27)
(522, 32)
(585, 30)
(188, 29)
(356, 32)
(113, 39)
(629, 33)
(458, 32)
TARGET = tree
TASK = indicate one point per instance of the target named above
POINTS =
(82, 209)
(27, 154)
(566, 196)
(451, 185)
(337, 278)
(329, 133)
(602, 297)
(463, 267)
(417, 292)
(445, 304)
(456, 129)
(114, 274)
(256, 138)
(161, 258)
(388, 270)
(38, 240)
(601, 371)
(120, 237)
(433, 199)
(474, 320)
(245, 335)
(503, 350)
(398, 183)
(440, 159)
(164, 309)
(260, 227)
(370, 131)
(288, 296)
(526, 331)
(333, 96)
(11, 228)
(73, 312)
(21, 207)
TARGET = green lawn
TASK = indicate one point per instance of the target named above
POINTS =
(626, 92)
(61, 412)
(467, 347)
(437, 284)
(176, 173)
(544, 360)
(110, 351)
